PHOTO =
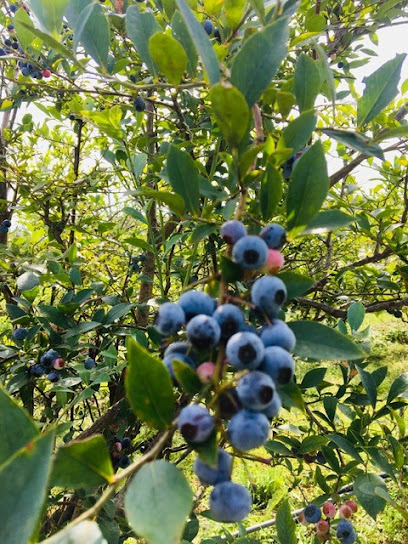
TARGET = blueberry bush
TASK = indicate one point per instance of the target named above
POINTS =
(184, 229)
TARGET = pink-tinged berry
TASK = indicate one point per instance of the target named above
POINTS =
(322, 537)
(329, 510)
(274, 262)
(205, 372)
(352, 505)
(116, 455)
(59, 363)
(322, 527)
(46, 73)
(117, 446)
(345, 511)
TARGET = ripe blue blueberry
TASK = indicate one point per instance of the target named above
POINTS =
(208, 27)
(248, 430)
(54, 376)
(4, 230)
(250, 252)
(230, 502)
(312, 513)
(278, 364)
(139, 104)
(268, 294)
(177, 347)
(217, 35)
(124, 461)
(195, 423)
(2, 52)
(169, 319)
(214, 475)
(274, 236)
(274, 408)
(20, 334)
(345, 532)
(203, 332)
(278, 334)
(126, 442)
(49, 357)
(89, 363)
(168, 361)
(195, 303)
(256, 390)
(13, 8)
(228, 403)
(232, 231)
(6, 223)
(37, 370)
(230, 319)
(10, 27)
(245, 350)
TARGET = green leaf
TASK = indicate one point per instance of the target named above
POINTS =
(187, 377)
(345, 445)
(364, 489)
(380, 459)
(369, 385)
(393, 132)
(328, 221)
(271, 192)
(380, 88)
(330, 406)
(25, 37)
(355, 140)
(298, 132)
(169, 56)
(312, 443)
(140, 27)
(148, 387)
(313, 378)
(398, 387)
(86, 531)
(296, 284)
(180, 32)
(157, 503)
(23, 483)
(234, 10)
(285, 525)
(173, 201)
(317, 341)
(49, 14)
(201, 42)
(231, 272)
(16, 428)
(83, 464)
(307, 82)
(208, 450)
(118, 311)
(184, 177)
(91, 28)
(326, 71)
(355, 315)
(258, 60)
(230, 111)
(82, 328)
(308, 189)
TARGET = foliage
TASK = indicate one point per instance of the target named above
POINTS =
(115, 211)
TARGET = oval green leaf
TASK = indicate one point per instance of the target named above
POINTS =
(169, 56)
(148, 387)
(140, 27)
(307, 82)
(86, 531)
(317, 341)
(157, 503)
(230, 111)
(184, 177)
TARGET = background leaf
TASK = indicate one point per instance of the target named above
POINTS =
(329, 220)
(317, 341)
(86, 531)
(298, 132)
(140, 27)
(230, 111)
(49, 13)
(355, 140)
(364, 489)
(307, 82)
(183, 177)
(169, 56)
(285, 525)
(157, 503)
(271, 192)
(381, 88)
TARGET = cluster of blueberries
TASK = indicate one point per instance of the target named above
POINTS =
(51, 363)
(345, 531)
(136, 261)
(30, 70)
(261, 358)
(119, 459)
(211, 30)
(4, 226)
